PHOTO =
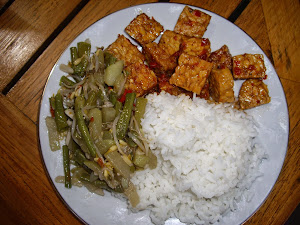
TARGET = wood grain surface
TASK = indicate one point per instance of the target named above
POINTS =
(26, 25)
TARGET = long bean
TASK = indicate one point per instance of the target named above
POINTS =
(118, 107)
(60, 116)
(140, 109)
(74, 54)
(79, 157)
(79, 102)
(83, 48)
(92, 98)
(64, 81)
(123, 122)
(66, 164)
(95, 124)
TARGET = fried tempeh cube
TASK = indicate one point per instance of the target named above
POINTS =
(144, 29)
(196, 46)
(221, 58)
(192, 22)
(140, 78)
(254, 92)
(158, 60)
(171, 41)
(248, 66)
(205, 91)
(164, 85)
(191, 73)
(221, 85)
(123, 49)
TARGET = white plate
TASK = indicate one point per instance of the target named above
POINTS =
(272, 118)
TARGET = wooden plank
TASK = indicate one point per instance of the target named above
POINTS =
(26, 195)
(285, 195)
(253, 23)
(25, 25)
(222, 8)
(27, 92)
(3, 2)
(283, 25)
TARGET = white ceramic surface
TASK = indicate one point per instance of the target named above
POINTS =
(272, 118)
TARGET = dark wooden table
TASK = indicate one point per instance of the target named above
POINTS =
(33, 34)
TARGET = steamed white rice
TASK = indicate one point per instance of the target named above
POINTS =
(206, 159)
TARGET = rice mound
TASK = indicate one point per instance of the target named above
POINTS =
(206, 159)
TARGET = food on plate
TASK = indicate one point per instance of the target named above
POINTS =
(100, 121)
(205, 91)
(221, 85)
(124, 50)
(151, 125)
(199, 47)
(159, 60)
(254, 92)
(170, 41)
(221, 58)
(200, 173)
(164, 85)
(140, 79)
(192, 22)
(191, 73)
(248, 66)
(144, 29)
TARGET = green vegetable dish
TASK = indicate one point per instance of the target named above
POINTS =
(99, 122)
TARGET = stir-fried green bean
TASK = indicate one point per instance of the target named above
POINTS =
(74, 54)
(79, 102)
(95, 124)
(80, 62)
(123, 122)
(66, 163)
(60, 116)
(52, 102)
(64, 81)
(92, 98)
(118, 107)
(79, 157)
(83, 48)
(113, 97)
(140, 109)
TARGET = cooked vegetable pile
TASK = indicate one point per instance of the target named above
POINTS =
(100, 121)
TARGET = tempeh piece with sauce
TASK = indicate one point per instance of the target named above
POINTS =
(164, 85)
(158, 60)
(199, 47)
(123, 49)
(248, 66)
(221, 85)
(140, 79)
(171, 41)
(192, 22)
(253, 93)
(221, 58)
(191, 73)
(144, 29)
